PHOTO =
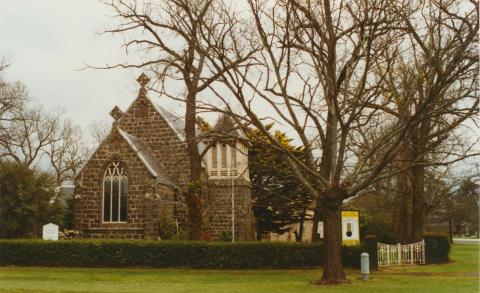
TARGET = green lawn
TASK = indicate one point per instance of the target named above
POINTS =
(461, 275)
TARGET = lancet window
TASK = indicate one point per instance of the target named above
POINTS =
(115, 192)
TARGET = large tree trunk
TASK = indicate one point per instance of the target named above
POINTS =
(195, 190)
(410, 218)
(418, 221)
(404, 198)
(333, 272)
(419, 149)
(327, 161)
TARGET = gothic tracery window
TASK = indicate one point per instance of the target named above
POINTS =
(115, 190)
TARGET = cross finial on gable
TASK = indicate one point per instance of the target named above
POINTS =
(116, 113)
(143, 79)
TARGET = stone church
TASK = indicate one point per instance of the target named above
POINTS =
(137, 177)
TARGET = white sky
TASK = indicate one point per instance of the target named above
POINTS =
(49, 40)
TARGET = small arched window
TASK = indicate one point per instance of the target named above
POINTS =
(115, 190)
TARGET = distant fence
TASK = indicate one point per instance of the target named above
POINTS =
(401, 254)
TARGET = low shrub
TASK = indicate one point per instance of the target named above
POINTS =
(437, 248)
(68, 234)
(118, 253)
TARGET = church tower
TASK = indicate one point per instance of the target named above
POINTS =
(230, 203)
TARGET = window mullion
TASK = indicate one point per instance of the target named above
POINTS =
(115, 175)
(119, 199)
(111, 199)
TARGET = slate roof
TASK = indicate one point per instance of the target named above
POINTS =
(145, 155)
(178, 125)
(175, 122)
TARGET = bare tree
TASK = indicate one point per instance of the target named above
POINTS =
(25, 139)
(28, 135)
(175, 37)
(65, 151)
(99, 130)
(439, 71)
(315, 64)
(322, 73)
(36, 138)
(3, 64)
(13, 97)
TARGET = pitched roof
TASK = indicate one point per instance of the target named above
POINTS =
(146, 157)
(225, 124)
(177, 124)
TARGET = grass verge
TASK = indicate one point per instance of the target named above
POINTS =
(460, 275)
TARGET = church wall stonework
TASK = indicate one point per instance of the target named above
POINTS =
(149, 201)
(143, 194)
(160, 138)
(143, 121)
(220, 208)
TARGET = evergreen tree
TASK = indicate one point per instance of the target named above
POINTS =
(279, 199)
(27, 201)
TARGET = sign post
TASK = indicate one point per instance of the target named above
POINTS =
(350, 228)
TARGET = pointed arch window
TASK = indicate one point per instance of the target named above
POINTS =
(115, 192)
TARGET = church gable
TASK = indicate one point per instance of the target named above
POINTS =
(145, 155)
(160, 131)
(114, 147)
(144, 192)
(144, 119)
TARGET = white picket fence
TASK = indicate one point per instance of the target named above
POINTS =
(401, 254)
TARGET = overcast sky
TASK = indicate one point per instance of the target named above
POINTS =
(48, 41)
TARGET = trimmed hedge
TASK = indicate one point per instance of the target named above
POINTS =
(118, 253)
(437, 248)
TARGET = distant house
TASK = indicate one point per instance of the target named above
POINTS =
(64, 193)
(290, 234)
(138, 175)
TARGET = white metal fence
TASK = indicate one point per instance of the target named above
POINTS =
(390, 255)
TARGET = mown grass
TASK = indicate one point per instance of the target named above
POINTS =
(460, 275)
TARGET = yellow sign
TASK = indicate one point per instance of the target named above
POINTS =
(350, 228)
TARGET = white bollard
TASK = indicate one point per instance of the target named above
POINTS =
(364, 265)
